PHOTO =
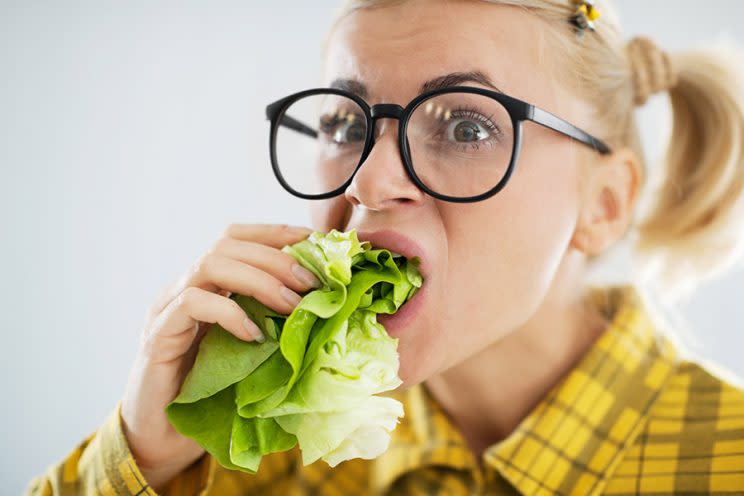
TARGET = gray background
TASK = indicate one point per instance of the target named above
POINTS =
(131, 134)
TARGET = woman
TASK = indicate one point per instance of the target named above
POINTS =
(519, 376)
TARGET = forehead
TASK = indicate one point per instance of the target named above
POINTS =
(392, 51)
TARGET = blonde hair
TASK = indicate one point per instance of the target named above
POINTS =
(693, 228)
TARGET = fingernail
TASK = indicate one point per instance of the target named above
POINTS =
(305, 275)
(251, 327)
(289, 295)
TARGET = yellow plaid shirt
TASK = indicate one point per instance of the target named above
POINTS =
(632, 417)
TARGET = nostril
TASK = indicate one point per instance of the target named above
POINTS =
(351, 197)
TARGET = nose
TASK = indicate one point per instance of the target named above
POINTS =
(381, 182)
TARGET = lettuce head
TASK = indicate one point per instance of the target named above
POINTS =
(315, 380)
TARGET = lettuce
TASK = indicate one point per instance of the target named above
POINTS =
(314, 381)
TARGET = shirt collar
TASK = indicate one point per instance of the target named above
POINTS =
(573, 439)
(424, 437)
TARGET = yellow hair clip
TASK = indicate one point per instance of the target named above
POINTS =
(585, 15)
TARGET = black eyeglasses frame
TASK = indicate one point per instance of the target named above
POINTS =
(519, 111)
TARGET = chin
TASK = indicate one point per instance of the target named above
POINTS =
(414, 325)
(414, 367)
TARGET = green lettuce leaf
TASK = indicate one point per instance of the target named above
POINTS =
(313, 381)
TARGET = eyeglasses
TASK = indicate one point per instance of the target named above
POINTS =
(458, 143)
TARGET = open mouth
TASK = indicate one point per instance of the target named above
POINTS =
(400, 244)
(395, 324)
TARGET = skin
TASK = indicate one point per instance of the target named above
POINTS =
(246, 259)
(505, 317)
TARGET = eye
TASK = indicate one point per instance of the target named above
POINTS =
(467, 131)
(467, 126)
(342, 129)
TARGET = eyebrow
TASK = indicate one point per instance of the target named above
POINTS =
(452, 79)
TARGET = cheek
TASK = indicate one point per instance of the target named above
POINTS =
(319, 213)
(503, 255)
(329, 214)
(518, 237)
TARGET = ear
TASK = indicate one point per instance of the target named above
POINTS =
(609, 190)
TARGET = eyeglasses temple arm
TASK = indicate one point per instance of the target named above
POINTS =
(296, 125)
(288, 121)
(551, 121)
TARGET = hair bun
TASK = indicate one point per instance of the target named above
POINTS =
(651, 67)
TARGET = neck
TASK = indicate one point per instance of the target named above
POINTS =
(490, 393)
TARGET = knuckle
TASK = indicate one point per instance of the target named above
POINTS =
(277, 288)
(212, 249)
(288, 260)
(236, 230)
(220, 246)
(230, 230)
(187, 297)
(204, 264)
(237, 308)
(195, 268)
(151, 313)
(285, 230)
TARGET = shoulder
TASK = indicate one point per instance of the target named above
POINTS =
(693, 439)
(702, 398)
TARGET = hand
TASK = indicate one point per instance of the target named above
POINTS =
(246, 260)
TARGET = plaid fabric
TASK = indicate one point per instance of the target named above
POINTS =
(632, 417)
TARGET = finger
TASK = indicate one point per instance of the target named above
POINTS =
(277, 263)
(215, 271)
(195, 305)
(165, 297)
(173, 290)
(188, 358)
(275, 235)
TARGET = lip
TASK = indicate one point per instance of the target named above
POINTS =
(403, 245)
(399, 243)
(398, 321)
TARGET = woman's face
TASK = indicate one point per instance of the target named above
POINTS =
(487, 265)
